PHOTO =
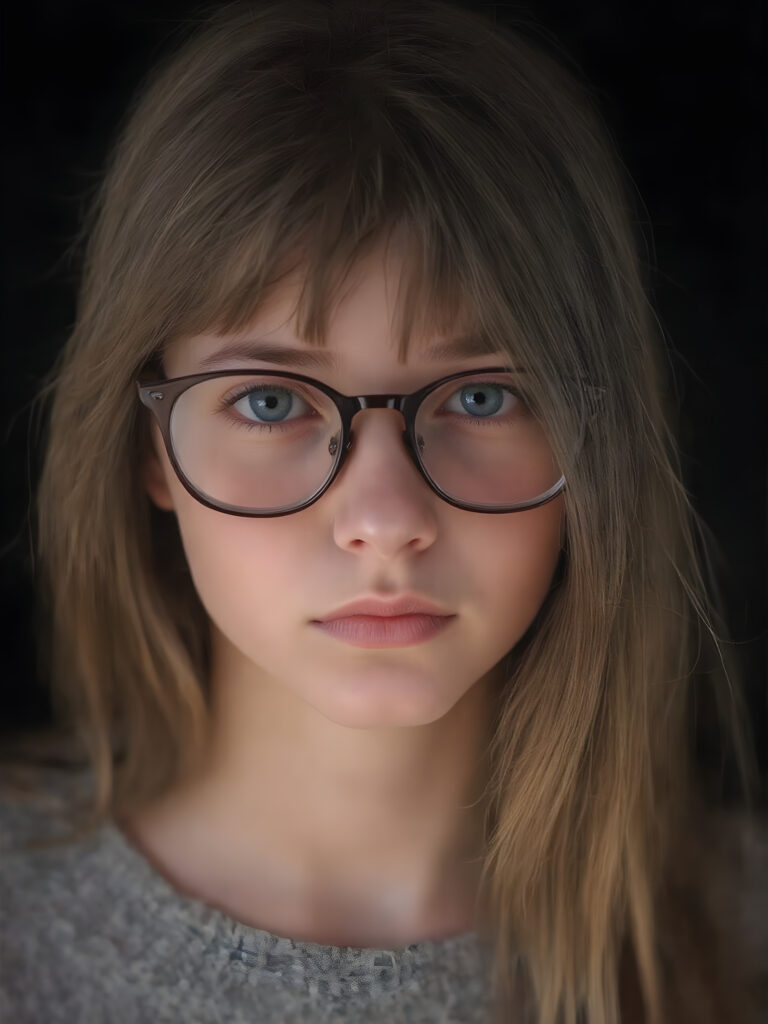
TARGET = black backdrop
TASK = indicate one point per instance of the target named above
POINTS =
(678, 84)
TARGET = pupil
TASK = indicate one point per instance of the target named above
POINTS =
(264, 403)
(476, 401)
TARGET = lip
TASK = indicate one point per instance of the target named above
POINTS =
(384, 630)
(403, 605)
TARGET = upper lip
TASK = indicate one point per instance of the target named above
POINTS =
(404, 604)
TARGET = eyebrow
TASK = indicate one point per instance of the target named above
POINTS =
(313, 358)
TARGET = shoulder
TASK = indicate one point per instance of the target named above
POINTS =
(40, 846)
(39, 802)
(58, 898)
(729, 859)
(713, 916)
(34, 796)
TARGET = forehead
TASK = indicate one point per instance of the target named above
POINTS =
(363, 323)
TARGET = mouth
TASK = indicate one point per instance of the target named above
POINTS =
(377, 631)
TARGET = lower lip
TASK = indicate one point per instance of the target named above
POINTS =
(377, 631)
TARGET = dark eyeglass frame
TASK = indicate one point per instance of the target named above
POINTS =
(160, 396)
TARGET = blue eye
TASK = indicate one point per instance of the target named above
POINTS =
(483, 400)
(268, 404)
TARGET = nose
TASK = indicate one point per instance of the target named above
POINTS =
(383, 504)
(382, 441)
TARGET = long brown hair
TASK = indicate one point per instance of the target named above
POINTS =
(296, 135)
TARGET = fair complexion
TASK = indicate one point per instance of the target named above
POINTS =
(341, 795)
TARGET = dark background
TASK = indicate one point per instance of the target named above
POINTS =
(677, 83)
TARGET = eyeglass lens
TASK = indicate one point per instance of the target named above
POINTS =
(270, 444)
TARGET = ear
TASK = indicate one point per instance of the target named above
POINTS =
(154, 476)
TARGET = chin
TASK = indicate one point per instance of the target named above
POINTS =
(384, 699)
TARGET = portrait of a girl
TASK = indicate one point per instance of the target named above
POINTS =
(376, 604)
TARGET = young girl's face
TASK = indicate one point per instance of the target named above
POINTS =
(378, 529)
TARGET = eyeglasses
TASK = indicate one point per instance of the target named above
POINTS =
(268, 443)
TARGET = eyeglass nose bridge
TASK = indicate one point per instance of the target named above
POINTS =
(393, 402)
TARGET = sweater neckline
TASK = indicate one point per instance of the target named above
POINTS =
(216, 933)
(105, 862)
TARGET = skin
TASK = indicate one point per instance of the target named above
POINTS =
(341, 795)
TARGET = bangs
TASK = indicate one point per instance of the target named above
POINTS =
(431, 294)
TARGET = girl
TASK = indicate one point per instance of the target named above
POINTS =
(376, 604)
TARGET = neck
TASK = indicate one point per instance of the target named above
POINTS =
(353, 825)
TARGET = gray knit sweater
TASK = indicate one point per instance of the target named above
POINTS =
(90, 933)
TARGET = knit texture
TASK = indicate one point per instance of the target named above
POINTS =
(91, 933)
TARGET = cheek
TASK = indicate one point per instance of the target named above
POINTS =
(240, 566)
(245, 571)
(511, 561)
